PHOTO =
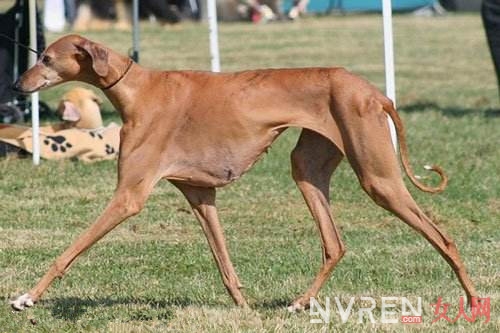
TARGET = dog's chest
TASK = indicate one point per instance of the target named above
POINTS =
(215, 162)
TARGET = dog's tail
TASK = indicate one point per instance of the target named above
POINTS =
(391, 111)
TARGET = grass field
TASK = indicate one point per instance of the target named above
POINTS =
(155, 273)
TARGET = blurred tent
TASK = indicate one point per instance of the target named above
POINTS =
(323, 6)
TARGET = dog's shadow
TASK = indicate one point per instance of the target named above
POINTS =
(73, 308)
(273, 304)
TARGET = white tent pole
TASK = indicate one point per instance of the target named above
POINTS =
(390, 81)
(35, 122)
(214, 38)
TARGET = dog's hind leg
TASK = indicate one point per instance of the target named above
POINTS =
(202, 201)
(372, 156)
(313, 161)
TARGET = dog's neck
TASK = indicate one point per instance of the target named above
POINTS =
(118, 67)
(124, 92)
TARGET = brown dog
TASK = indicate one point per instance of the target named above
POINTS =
(201, 130)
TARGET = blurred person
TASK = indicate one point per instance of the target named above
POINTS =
(162, 10)
(103, 9)
(94, 15)
(490, 12)
(70, 11)
(106, 14)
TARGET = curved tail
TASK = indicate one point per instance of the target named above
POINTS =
(389, 108)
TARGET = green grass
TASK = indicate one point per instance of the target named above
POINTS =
(155, 273)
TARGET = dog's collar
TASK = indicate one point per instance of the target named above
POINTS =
(121, 76)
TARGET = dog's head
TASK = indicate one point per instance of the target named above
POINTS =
(79, 108)
(70, 58)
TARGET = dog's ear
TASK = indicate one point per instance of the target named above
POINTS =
(99, 56)
(68, 111)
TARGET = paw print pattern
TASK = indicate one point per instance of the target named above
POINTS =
(110, 150)
(57, 143)
(96, 135)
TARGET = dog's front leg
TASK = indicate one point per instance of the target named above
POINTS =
(202, 200)
(128, 200)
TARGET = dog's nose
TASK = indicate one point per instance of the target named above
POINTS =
(16, 86)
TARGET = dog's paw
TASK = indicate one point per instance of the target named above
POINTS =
(22, 302)
(296, 307)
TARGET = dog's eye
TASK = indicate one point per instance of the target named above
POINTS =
(46, 60)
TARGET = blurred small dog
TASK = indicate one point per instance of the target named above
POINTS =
(79, 136)
(79, 108)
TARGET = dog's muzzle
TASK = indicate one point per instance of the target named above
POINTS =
(17, 88)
